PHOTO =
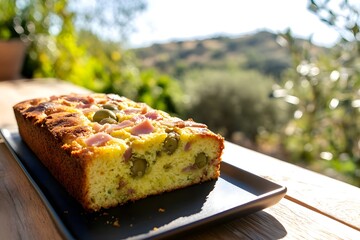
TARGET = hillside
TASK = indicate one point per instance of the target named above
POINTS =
(259, 51)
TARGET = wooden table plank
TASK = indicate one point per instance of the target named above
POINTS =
(336, 199)
(22, 213)
(23, 216)
(286, 220)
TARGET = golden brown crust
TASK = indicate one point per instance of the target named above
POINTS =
(67, 169)
(66, 126)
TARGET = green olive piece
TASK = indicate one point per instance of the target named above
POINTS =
(167, 166)
(103, 113)
(108, 120)
(138, 167)
(110, 106)
(171, 142)
(201, 160)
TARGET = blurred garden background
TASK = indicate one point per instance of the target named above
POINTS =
(271, 92)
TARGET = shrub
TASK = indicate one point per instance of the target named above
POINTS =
(233, 101)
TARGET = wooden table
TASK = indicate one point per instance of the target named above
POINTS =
(315, 206)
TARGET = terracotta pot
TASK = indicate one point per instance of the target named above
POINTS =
(12, 54)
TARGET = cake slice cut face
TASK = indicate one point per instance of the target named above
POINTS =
(107, 150)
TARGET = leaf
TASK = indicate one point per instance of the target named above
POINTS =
(355, 29)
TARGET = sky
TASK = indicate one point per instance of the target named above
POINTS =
(169, 20)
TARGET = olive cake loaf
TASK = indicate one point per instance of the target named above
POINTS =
(107, 150)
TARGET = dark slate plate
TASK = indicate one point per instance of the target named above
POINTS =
(236, 193)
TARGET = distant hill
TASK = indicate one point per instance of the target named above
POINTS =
(259, 51)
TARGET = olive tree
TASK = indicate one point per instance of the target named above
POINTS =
(324, 89)
(233, 102)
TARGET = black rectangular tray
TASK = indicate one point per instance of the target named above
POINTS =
(236, 193)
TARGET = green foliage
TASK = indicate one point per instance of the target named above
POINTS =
(160, 91)
(13, 23)
(324, 89)
(65, 45)
(233, 101)
(107, 68)
(343, 17)
(31, 20)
